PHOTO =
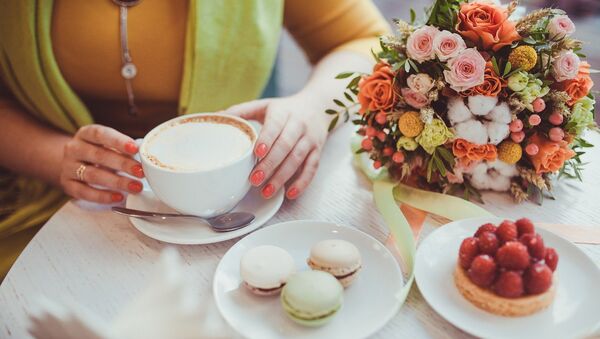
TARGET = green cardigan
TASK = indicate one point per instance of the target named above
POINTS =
(230, 50)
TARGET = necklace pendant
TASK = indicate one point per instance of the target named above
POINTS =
(128, 71)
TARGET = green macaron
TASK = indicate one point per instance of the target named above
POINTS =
(312, 298)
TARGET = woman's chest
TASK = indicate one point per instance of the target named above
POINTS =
(86, 44)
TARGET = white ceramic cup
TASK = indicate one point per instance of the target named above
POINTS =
(204, 193)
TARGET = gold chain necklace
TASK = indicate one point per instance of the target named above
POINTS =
(128, 68)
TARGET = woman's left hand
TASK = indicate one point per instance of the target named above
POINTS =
(289, 145)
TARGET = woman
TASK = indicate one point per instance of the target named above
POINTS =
(83, 78)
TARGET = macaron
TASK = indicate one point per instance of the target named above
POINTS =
(338, 257)
(265, 269)
(312, 298)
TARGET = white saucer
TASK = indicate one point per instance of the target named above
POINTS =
(369, 303)
(190, 232)
(575, 311)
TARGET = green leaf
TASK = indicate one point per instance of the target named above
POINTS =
(413, 16)
(447, 155)
(495, 65)
(440, 166)
(339, 103)
(413, 65)
(331, 111)
(507, 68)
(346, 116)
(429, 169)
(348, 97)
(354, 82)
(344, 75)
(406, 67)
(333, 123)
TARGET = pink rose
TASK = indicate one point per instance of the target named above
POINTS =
(565, 66)
(419, 45)
(421, 82)
(447, 45)
(466, 70)
(560, 26)
(415, 99)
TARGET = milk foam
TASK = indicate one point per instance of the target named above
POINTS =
(202, 145)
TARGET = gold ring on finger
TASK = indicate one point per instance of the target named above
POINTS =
(80, 172)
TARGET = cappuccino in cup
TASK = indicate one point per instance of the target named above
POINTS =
(199, 164)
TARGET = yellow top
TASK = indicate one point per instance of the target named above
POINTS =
(87, 47)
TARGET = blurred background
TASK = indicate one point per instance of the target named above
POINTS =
(293, 70)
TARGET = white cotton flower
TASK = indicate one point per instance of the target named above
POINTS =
(500, 113)
(481, 104)
(494, 176)
(457, 110)
(496, 131)
(472, 131)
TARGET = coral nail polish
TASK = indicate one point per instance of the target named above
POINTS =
(138, 171)
(135, 187)
(261, 150)
(131, 147)
(116, 197)
(268, 191)
(292, 193)
(257, 178)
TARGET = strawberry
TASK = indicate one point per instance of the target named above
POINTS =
(509, 285)
(485, 228)
(524, 226)
(513, 256)
(507, 231)
(538, 278)
(483, 270)
(551, 258)
(488, 243)
(469, 249)
(535, 245)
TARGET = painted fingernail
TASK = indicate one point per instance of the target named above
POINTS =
(257, 178)
(268, 190)
(131, 147)
(292, 193)
(135, 187)
(116, 197)
(138, 171)
(261, 150)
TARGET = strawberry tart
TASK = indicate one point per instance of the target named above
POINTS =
(506, 269)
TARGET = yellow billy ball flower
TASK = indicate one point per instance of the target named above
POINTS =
(509, 152)
(410, 124)
(523, 57)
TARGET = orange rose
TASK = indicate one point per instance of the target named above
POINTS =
(580, 86)
(551, 155)
(492, 84)
(486, 25)
(467, 152)
(376, 91)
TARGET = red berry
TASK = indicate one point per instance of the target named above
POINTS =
(381, 136)
(469, 249)
(535, 245)
(507, 231)
(483, 270)
(398, 157)
(524, 226)
(370, 131)
(509, 285)
(377, 164)
(538, 278)
(381, 118)
(387, 151)
(366, 144)
(488, 243)
(513, 256)
(485, 228)
(551, 258)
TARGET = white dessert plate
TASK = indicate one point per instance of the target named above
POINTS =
(191, 232)
(369, 303)
(574, 313)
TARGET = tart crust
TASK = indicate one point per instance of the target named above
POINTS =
(491, 302)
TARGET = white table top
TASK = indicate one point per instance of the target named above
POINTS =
(96, 258)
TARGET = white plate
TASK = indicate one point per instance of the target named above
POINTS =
(190, 232)
(369, 303)
(575, 311)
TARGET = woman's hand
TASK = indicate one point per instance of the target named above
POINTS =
(289, 144)
(92, 157)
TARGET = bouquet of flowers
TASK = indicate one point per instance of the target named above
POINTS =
(471, 100)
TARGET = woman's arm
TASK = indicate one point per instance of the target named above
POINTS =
(30, 148)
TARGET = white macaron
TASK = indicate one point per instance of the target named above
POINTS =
(338, 257)
(265, 269)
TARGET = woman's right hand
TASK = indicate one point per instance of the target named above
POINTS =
(103, 151)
